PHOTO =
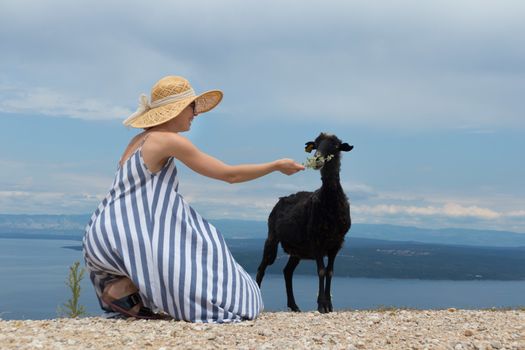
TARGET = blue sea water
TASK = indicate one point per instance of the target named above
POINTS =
(33, 276)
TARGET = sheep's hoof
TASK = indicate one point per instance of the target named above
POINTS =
(324, 307)
(294, 308)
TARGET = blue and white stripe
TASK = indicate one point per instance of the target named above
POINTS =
(144, 229)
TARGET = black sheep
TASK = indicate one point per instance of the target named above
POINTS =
(311, 225)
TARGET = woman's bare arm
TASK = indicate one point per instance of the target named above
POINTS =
(181, 148)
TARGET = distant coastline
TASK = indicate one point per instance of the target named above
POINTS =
(34, 272)
(408, 253)
(372, 258)
(73, 225)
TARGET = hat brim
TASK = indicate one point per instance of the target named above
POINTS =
(159, 115)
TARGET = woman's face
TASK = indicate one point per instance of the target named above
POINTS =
(183, 121)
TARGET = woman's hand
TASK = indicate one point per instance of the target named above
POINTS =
(288, 166)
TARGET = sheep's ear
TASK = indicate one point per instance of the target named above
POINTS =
(309, 146)
(345, 147)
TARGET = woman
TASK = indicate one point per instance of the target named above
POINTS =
(148, 252)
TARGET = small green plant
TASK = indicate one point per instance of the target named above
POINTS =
(72, 308)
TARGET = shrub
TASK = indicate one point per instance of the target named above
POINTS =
(72, 308)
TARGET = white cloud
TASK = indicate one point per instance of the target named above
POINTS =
(33, 202)
(516, 214)
(71, 193)
(45, 101)
(240, 201)
(368, 205)
(456, 210)
(447, 210)
(44, 187)
(410, 64)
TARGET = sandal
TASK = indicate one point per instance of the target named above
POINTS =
(125, 304)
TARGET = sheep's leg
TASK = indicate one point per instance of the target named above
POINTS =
(329, 274)
(322, 305)
(288, 273)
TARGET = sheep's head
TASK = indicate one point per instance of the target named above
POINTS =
(327, 147)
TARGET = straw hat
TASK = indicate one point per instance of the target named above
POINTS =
(169, 96)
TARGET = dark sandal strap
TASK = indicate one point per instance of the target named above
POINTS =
(125, 304)
(146, 312)
(128, 302)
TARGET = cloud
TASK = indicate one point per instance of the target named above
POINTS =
(452, 210)
(33, 202)
(240, 201)
(66, 192)
(295, 66)
(359, 192)
(409, 65)
(52, 103)
(44, 187)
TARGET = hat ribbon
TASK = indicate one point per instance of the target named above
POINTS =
(145, 105)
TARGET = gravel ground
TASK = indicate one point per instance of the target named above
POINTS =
(390, 329)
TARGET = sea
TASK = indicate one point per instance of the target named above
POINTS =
(33, 275)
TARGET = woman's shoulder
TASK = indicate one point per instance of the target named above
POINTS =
(168, 143)
(167, 138)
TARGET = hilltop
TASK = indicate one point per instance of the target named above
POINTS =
(391, 329)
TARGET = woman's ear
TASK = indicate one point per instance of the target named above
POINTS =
(310, 145)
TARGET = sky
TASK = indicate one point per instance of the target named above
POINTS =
(428, 92)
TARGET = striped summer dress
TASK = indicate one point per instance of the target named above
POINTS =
(145, 230)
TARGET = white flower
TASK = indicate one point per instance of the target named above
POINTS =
(312, 162)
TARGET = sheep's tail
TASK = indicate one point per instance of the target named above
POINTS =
(270, 250)
(269, 255)
(272, 242)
